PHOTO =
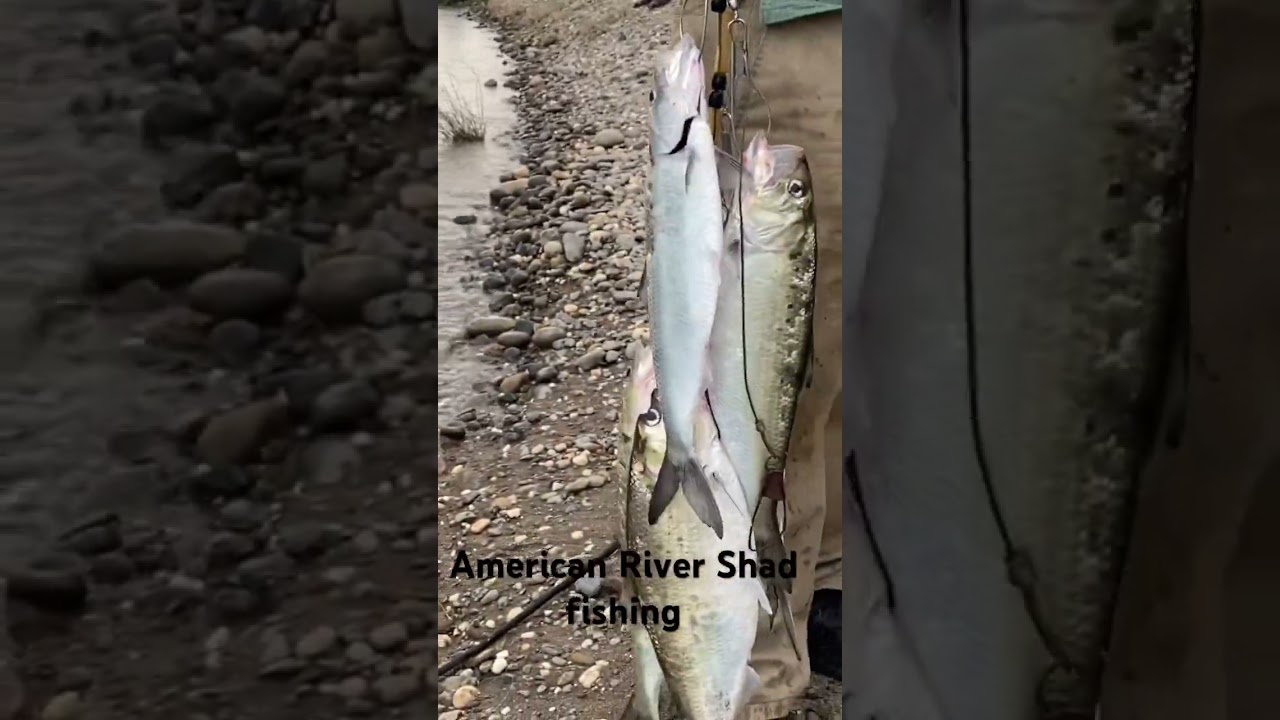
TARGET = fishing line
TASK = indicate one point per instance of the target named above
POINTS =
(738, 134)
(1018, 563)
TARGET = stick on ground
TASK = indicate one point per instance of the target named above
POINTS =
(470, 653)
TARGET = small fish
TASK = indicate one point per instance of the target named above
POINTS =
(683, 272)
(763, 329)
(704, 663)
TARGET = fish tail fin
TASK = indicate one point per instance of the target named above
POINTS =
(771, 547)
(678, 473)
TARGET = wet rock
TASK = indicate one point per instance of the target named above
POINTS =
(360, 15)
(226, 549)
(513, 339)
(113, 568)
(235, 341)
(280, 15)
(419, 24)
(235, 603)
(159, 22)
(243, 516)
(170, 251)
(417, 305)
(397, 689)
(240, 293)
(545, 337)
(608, 138)
(246, 43)
(232, 204)
(221, 481)
(154, 50)
(512, 384)
(338, 288)
(257, 98)
(285, 668)
(344, 406)
(327, 176)
(316, 643)
(96, 538)
(389, 637)
(352, 688)
(264, 571)
(275, 647)
(176, 113)
(453, 430)
(419, 197)
(57, 582)
(381, 311)
(301, 387)
(63, 706)
(307, 63)
(279, 254)
(328, 461)
(304, 541)
(376, 48)
(592, 359)
(235, 436)
(197, 173)
(138, 296)
(372, 241)
(490, 325)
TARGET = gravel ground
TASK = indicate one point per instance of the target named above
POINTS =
(531, 472)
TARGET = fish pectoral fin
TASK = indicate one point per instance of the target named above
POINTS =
(689, 476)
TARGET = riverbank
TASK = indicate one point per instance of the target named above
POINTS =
(258, 539)
(530, 471)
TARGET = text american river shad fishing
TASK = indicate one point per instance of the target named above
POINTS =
(631, 564)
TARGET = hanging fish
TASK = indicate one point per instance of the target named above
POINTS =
(704, 662)
(760, 349)
(683, 276)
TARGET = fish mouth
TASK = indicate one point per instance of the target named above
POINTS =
(768, 165)
(787, 161)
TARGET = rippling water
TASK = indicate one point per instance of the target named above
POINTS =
(469, 56)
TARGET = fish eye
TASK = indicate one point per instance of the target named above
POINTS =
(796, 189)
(652, 96)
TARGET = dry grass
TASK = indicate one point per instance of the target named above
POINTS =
(461, 120)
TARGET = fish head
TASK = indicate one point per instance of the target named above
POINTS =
(650, 442)
(638, 401)
(777, 195)
(640, 386)
(677, 96)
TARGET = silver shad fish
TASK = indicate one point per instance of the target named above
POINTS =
(703, 664)
(760, 348)
(683, 274)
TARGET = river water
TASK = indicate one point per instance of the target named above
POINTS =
(469, 57)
